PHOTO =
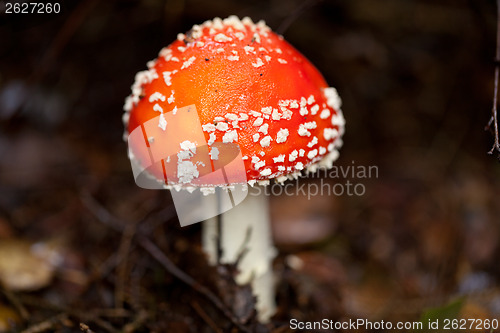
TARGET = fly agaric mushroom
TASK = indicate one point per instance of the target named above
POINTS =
(250, 88)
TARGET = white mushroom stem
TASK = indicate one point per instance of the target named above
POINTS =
(256, 265)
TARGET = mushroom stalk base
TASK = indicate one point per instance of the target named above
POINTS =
(246, 226)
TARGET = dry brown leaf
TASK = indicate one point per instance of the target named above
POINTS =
(25, 266)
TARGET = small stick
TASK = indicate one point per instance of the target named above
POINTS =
(135, 325)
(493, 120)
(205, 317)
(87, 316)
(103, 324)
(123, 255)
(11, 297)
(63, 37)
(85, 329)
(294, 15)
(101, 213)
(46, 324)
(156, 253)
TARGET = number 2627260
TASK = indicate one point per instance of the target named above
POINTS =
(32, 8)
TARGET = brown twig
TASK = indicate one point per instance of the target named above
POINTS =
(109, 220)
(86, 316)
(123, 255)
(139, 320)
(493, 120)
(99, 322)
(99, 212)
(46, 325)
(205, 317)
(85, 328)
(61, 39)
(11, 297)
(156, 253)
(294, 15)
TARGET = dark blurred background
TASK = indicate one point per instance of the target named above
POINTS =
(416, 80)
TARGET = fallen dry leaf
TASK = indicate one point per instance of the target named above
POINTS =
(24, 266)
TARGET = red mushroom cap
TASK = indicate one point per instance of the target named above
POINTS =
(250, 87)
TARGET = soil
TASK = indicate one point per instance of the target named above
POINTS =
(83, 249)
